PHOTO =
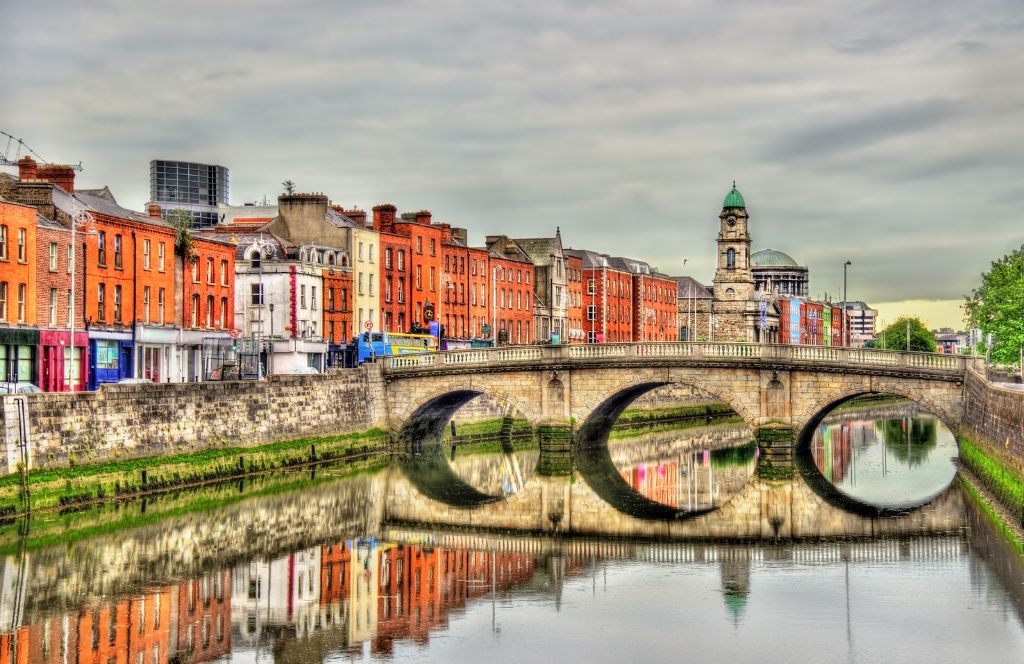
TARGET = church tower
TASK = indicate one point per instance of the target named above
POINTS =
(734, 279)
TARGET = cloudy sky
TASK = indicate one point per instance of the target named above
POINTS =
(890, 134)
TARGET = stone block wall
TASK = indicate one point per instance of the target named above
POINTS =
(125, 421)
(995, 415)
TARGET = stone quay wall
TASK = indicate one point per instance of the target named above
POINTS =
(127, 421)
(994, 417)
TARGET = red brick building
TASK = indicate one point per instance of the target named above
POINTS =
(574, 311)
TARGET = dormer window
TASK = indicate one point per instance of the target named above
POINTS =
(254, 260)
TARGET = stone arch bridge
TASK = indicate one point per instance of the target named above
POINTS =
(780, 389)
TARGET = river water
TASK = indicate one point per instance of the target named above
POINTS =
(662, 546)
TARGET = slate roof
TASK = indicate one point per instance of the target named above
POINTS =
(688, 287)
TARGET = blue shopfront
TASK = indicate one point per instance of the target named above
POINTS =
(110, 357)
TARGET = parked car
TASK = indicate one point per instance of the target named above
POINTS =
(18, 388)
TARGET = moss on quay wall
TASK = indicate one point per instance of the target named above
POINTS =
(76, 485)
(1004, 480)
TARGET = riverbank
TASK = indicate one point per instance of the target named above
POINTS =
(995, 478)
(73, 487)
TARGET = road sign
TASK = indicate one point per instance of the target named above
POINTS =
(235, 333)
(368, 325)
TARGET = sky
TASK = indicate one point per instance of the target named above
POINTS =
(889, 134)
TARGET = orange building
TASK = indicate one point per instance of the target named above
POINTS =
(18, 273)
(574, 311)
(654, 306)
(204, 617)
(395, 278)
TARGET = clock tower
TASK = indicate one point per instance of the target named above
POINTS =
(734, 279)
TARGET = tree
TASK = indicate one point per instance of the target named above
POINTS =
(289, 186)
(996, 307)
(894, 337)
(182, 222)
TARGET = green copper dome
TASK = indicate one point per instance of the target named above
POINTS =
(734, 199)
(772, 258)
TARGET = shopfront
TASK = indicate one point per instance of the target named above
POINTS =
(58, 370)
(110, 357)
(18, 348)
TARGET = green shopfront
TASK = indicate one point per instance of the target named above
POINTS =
(18, 348)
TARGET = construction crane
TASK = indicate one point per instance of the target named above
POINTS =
(19, 145)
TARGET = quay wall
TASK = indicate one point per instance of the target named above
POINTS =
(130, 421)
(994, 418)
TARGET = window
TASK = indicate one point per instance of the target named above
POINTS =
(519, 276)
(312, 297)
(3, 300)
(160, 295)
(330, 299)
(527, 277)
(209, 311)
(432, 275)
(419, 245)
(223, 273)
(344, 300)
(160, 249)
(21, 246)
(401, 259)
(145, 304)
(256, 294)
(361, 283)
(387, 258)
(195, 310)
(254, 260)
(372, 282)
(53, 257)
(3, 242)
(53, 307)
(209, 270)
(433, 249)
(474, 267)
(372, 254)
(195, 272)
(592, 337)
(117, 304)
(145, 254)
(730, 258)
(419, 277)
(591, 286)
(101, 296)
(223, 313)
(71, 259)
(401, 290)
(118, 260)
(360, 251)
(591, 312)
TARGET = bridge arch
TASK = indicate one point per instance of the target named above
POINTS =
(604, 406)
(816, 410)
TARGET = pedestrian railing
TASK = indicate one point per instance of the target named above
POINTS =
(676, 352)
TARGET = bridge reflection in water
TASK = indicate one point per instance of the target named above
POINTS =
(696, 484)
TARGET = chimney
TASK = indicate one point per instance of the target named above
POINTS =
(461, 235)
(153, 210)
(384, 217)
(446, 233)
(355, 214)
(423, 217)
(27, 169)
(59, 174)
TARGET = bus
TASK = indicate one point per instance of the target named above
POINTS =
(375, 344)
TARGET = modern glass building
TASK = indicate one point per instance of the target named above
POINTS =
(185, 185)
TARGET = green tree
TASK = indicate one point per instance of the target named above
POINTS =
(182, 222)
(894, 337)
(997, 307)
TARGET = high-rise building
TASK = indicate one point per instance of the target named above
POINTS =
(185, 185)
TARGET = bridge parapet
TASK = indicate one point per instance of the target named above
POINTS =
(953, 366)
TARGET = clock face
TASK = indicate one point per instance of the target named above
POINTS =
(731, 220)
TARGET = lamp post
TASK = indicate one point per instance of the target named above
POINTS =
(846, 331)
(80, 218)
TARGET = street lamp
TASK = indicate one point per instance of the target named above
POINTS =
(846, 332)
(79, 219)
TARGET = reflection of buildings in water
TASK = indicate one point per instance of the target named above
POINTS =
(692, 480)
(204, 617)
(282, 592)
(132, 630)
(833, 446)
